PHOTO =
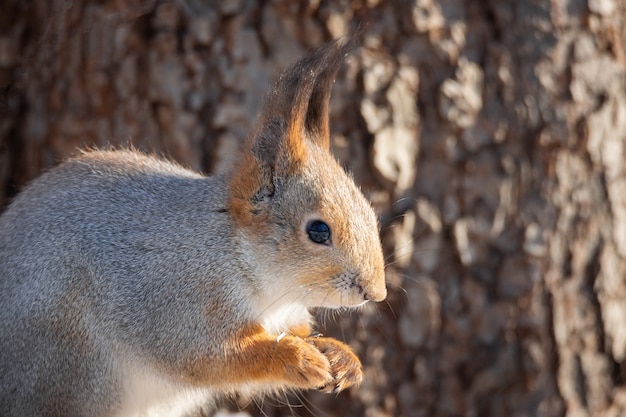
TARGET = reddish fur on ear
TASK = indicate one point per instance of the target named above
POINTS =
(243, 185)
(295, 110)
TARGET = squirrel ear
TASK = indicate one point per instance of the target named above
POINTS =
(295, 110)
(317, 110)
(300, 99)
(316, 121)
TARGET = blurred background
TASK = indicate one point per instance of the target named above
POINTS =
(489, 136)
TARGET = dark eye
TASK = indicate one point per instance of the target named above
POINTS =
(318, 231)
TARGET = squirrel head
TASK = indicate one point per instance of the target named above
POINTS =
(306, 225)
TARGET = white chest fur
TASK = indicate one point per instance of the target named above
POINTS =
(148, 393)
(281, 319)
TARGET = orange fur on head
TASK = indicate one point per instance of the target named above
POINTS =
(295, 110)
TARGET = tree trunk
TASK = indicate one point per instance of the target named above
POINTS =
(490, 135)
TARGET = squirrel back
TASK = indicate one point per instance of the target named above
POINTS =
(132, 286)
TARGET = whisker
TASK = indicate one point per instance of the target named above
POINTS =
(403, 247)
(395, 286)
(393, 313)
(398, 201)
(312, 408)
(260, 405)
(409, 277)
(289, 404)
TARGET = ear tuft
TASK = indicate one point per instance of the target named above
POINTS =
(294, 111)
(317, 113)
(302, 93)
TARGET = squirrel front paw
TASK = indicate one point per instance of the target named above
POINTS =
(305, 366)
(345, 366)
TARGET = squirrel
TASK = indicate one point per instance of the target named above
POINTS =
(131, 286)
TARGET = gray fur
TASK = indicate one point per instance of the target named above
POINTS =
(126, 281)
(75, 250)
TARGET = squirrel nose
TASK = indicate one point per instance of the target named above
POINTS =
(376, 293)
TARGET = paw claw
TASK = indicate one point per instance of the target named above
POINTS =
(345, 367)
(308, 368)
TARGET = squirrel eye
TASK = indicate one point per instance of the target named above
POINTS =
(318, 231)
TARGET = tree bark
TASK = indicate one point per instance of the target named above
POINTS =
(490, 136)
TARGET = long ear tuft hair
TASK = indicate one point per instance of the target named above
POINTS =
(295, 110)
(300, 97)
(309, 81)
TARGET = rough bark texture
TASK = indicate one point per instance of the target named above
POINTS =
(490, 135)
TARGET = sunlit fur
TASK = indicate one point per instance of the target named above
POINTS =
(132, 286)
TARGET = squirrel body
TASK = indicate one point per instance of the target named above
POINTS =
(132, 286)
